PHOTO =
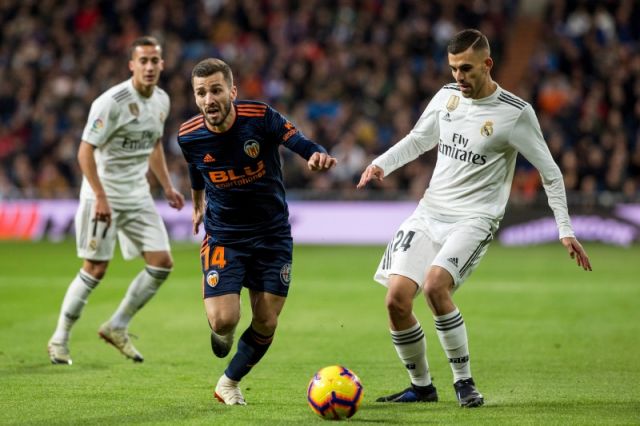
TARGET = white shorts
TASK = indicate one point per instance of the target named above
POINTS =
(422, 242)
(139, 230)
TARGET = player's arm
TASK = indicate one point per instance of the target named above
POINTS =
(197, 195)
(286, 133)
(423, 137)
(526, 137)
(90, 171)
(158, 165)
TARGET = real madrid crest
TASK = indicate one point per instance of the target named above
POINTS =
(252, 148)
(487, 129)
(452, 103)
(133, 108)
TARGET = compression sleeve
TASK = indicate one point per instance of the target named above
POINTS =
(526, 137)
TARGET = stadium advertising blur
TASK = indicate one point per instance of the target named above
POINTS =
(357, 223)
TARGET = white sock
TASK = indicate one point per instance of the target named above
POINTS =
(74, 300)
(411, 346)
(143, 287)
(453, 338)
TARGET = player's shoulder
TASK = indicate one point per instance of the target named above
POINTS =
(161, 94)
(191, 128)
(450, 87)
(121, 93)
(509, 100)
(247, 108)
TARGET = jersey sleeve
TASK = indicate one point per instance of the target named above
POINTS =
(526, 137)
(102, 120)
(196, 178)
(423, 137)
(288, 135)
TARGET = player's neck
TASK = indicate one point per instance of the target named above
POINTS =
(143, 90)
(488, 89)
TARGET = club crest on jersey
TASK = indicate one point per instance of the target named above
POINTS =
(133, 109)
(487, 129)
(162, 117)
(213, 278)
(285, 274)
(452, 103)
(252, 148)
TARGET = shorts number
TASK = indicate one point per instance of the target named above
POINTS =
(215, 259)
(403, 241)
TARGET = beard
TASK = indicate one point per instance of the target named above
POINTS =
(224, 111)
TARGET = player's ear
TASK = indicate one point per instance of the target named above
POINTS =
(131, 65)
(234, 92)
(488, 63)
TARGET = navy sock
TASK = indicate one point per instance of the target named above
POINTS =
(251, 348)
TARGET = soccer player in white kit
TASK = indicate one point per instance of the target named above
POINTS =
(479, 129)
(120, 143)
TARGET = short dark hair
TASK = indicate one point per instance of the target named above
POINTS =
(144, 41)
(466, 39)
(210, 66)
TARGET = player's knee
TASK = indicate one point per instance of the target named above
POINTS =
(398, 307)
(265, 324)
(223, 324)
(161, 260)
(96, 270)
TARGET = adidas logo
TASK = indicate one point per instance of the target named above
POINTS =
(453, 260)
(209, 158)
(447, 117)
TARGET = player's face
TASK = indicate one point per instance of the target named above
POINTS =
(146, 64)
(215, 100)
(471, 70)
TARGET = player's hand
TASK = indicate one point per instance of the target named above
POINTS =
(176, 199)
(196, 218)
(320, 161)
(103, 210)
(371, 172)
(577, 252)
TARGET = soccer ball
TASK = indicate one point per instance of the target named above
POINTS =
(334, 393)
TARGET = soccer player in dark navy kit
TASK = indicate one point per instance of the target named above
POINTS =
(232, 152)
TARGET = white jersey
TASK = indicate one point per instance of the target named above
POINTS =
(478, 141)
(124, 127)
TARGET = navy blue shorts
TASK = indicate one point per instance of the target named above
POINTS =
(263, 264)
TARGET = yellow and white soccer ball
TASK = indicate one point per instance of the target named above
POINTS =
(334, 393)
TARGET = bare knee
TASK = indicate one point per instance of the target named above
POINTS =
(265, 323)
(159, 259)
(97, 269)
(223, 324)
(437, 290)
(399, 306)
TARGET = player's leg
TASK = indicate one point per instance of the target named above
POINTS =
(223, 314)
(95, 242)
(268, 279)
(142, 232)
(401, 269)
(460, 254)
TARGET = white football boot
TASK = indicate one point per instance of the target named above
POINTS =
(228, 392)
(120, 339)
(59, 353)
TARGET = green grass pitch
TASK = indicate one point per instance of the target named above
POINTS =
(550, 343)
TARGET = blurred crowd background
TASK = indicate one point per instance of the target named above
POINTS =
(354, 75)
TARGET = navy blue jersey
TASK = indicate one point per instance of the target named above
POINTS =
(241, 172)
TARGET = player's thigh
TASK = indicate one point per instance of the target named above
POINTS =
(270, 267)
(142, 230)
(409, 254)
(223, 268)
(94, 239)
(223, 312)
(464, 247)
